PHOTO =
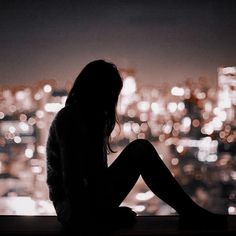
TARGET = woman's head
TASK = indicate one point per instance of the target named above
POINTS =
(97, 89)
(97, 85)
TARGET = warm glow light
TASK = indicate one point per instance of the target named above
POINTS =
(232, 210)
(233, 175)
(24, 126)
(217, 123)
(196, 123)
(201, 95)
(186, 121)
(38, 96)
(208, 106)
(143, 117)
(222, 134)
(139, 208)
(175, 161)
(17, 139)
(29, 152)
(40, 114)
(20, 95)
(21, 205)
(12, 108)
(177, 91)
(180, 149)
(144, 127)
(230, 139)
(127, 129)
(41, 149)
(141, 136)
(222, 115)
(172, 107)
(36, 169)
(2, 115)
(40, 124)
(131, 113)
(32, 121)
(181, 106)
(23, 117)
(224, 99)
(143, 106)
(47, 88)
(167, 128)
(211, 158)
(129, 86)
(207, 129)
(144, 196)
(53, 107)
(229, 70)
(63, 100)
(155, 107)
(12, 129)
(136, 128)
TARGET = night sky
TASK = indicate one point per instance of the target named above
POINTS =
(164, 41)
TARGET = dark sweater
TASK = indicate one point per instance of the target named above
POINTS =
(76, 161)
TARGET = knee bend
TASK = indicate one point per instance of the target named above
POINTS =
(141, 144)
(141, 150)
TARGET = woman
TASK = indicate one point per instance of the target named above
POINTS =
(81, 185)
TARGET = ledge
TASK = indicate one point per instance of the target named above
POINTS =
(146, 225)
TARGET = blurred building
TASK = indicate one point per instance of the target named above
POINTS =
(227, 91)
(192, 126)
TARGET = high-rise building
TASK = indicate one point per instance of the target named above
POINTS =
(227, 91)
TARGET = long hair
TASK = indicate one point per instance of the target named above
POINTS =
(97, 89)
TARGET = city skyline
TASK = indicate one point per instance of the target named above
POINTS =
(192, 127)
(163, 41)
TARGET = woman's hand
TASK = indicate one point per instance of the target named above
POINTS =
(119, 217)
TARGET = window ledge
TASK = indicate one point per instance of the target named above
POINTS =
(146, 225)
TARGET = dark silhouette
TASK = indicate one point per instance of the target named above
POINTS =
(82, 187)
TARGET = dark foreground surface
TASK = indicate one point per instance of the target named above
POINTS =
(154, 225)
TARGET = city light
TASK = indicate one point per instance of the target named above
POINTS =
(47, 88)
(177, 91)
(139, 208)
(155, 107)
(17, 139)
(53, 107)
(129, 86)
(40, 114)
(145, 196)
(29, 153)
(191, 126)
(172, 107)
(1, 115)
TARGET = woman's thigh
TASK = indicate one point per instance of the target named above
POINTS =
(123, 173)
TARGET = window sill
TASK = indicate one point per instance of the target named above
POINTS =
(146, 225)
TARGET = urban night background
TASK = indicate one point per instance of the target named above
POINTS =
(178, 62)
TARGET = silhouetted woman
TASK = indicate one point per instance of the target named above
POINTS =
(82, 186)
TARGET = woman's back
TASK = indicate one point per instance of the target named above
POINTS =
(73, 144)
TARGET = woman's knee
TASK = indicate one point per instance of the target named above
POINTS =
(140, 142)
(141, 145)
(142, 151)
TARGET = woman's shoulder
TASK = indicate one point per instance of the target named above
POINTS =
(71, 119)
(65, 114)
(74, 118)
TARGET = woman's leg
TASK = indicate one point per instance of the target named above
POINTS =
(141, 158)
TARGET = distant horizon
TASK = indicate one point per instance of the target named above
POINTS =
(140, 81)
